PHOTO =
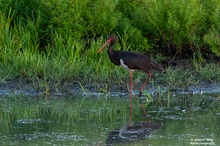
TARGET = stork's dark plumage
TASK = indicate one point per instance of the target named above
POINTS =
(131, 61)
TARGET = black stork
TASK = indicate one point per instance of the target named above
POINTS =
(131, 61)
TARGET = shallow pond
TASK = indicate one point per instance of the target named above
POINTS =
(175, 119)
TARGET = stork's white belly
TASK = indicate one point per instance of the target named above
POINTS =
(124, 65)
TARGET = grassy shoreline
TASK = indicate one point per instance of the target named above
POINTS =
(175, 77)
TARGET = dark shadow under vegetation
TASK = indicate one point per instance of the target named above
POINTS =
(51, 43)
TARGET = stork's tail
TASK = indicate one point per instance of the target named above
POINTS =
(157, 67)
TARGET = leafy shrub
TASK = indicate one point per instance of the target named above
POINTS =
(171, 24)
(166, 26)
(213, 39)
(212, 36)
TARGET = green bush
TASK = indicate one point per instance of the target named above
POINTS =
(166, 26)
(212, 35)
(212, 38)
(30, 11)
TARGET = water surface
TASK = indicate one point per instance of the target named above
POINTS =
(187, 119)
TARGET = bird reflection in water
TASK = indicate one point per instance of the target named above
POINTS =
(134, 132)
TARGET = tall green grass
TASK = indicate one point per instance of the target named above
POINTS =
(51, 42)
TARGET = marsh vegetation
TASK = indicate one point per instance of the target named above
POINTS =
(50, 42)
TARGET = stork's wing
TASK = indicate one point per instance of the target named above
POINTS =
(138, 61)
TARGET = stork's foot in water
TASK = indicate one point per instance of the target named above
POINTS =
(130, 123)
(142, 106)
(140, 94)
(143, 109)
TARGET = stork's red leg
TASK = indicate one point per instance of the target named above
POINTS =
(140, 94)
(142, 88)
(131, 84)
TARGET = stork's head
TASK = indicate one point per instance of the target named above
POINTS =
(111, 40)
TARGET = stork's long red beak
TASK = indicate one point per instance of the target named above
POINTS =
(107, 42)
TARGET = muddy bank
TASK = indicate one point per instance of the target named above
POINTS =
(28, 88)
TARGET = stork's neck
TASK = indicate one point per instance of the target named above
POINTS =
(111, 50)
(112, 54)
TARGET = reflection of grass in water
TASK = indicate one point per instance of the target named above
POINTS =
(86, 109)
